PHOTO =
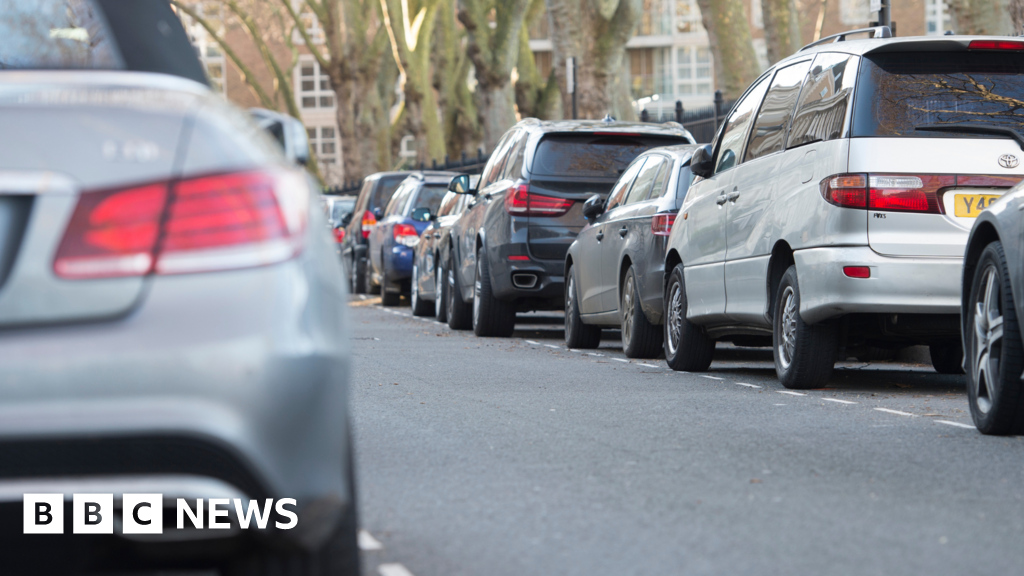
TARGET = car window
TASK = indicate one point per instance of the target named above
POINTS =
(601, 155)
(56, 34)
(683, 185)
(364, 194)
(644, 180)
(624, 183)
(769, 133)
(825, 100)
(492, 171)
(734, 135)
(659, 182)
(514, 165)
(386, 188)
(448, 203)
(429, 196)
(400, 199)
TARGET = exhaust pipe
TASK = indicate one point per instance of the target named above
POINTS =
(524, 280)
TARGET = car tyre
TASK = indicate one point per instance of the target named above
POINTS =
(491, 317)
(357, 276)
(995, 358)
(440, 291)
(368, 286)
(687, 348)
(805, 354)
(387, 298)
(577, 334)
(420, 307)
(460, 313)
(947, 358)
(640, 338)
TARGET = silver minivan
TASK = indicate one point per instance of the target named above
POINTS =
(830, 214)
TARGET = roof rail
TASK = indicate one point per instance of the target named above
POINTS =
(876, 32)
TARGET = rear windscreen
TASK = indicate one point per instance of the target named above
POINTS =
(592, 155)
(55, 34)
(900, 92)
(385, 190)
(430, 196)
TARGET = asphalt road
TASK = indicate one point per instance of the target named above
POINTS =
(516, 456)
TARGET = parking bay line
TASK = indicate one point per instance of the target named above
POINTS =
(896, 412)
(553, 346)
(710, 377)
(368, 542)
(394, 569)
(790, 393)
(747, 385)
(957, 424)
(620, 360)
(532, 342)
(649, 365)
(838, 401)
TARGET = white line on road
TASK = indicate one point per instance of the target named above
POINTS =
(532, 342)
(393, 570)
(592, 354)
(747, 385)
(368, 542)
(838, 401)
(790, 393)
(649, 365)
(896, 412)
(957, 424)
(553, 346)
(709, 377)
(620, 360)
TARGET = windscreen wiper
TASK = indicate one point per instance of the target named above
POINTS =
(975, 128)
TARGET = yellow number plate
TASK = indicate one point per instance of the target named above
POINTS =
(970, 205)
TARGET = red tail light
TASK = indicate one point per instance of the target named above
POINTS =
(995, 45)
(661, 224)
(210, 223)
(369, 221)
(339, 235)
(857, 271)
(520, 202)
(887, 192)
(846, 190)
(406, 235)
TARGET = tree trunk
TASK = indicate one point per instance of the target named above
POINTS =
(536, 97)
(460, 119)
(781, 28)
(595, 34)
(981, 17)
(731, 47)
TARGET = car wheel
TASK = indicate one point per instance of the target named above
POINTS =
(368, 286)
(805, 354)
(420, 307)
(357, 276)
(640, 338)
(994, 354)
(947, 358)
(387, 298)
(440, 292)
(577, 334)
(460, 314)
(687, 348)
(491, 317)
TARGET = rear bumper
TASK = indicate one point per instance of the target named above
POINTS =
(547, 276)
(896, 285)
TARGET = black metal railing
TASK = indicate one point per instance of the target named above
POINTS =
(702, 122)
(466, 163)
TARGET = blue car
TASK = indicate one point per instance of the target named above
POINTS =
(393, 240)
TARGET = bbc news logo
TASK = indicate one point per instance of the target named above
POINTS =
(144, 513)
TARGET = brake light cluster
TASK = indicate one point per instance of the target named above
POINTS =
(339, 235)
(520, 202)
(995, 45)
(893, 193)
(406, 235)
(201, 224)
(661, 224)
(369, 221)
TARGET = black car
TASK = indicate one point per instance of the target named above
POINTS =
(991, 309)
(615, 270)
(373, 197)
(428, 292)
(508, 250)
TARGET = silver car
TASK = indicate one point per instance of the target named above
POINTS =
(831, 213)
(172, 312)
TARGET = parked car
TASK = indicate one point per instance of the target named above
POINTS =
(508, 250)
(428, 286)
(615, 269)
(991, 309)
(161, 260)
(373, 197)
(827, 215)
(394, 239)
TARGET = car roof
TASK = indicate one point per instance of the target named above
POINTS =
(861, 47)
(432, 176)
(678, 151)
(609, 126)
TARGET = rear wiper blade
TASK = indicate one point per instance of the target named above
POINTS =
(976, 128)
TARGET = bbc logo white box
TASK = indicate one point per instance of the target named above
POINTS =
(142, 513)
(43, 513)
(92, 514)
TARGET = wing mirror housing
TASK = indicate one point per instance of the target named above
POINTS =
(378, 213)
(422, 215)
(701, 163)
(287, 131)
(593, 207)
(462, 184)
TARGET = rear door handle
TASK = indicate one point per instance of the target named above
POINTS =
(733, 196)
(600, 236)
(722, 199)
(437, 234)
(623, 231)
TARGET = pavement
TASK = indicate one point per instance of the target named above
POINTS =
(517, 456)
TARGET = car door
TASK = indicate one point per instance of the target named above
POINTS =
(705, 216)
(620, 221)
(591, 241)
(750, 198)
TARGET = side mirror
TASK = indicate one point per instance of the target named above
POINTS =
(593, 207)
(700, 163)
(421, 215)
(378, 213)
(461, 185)
(287, 131)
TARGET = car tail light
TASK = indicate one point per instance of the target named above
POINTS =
(887, 192)
(201, 224)
(661, 224)
(518, 258)
(520, 202)
(369, 221)
(857, 271)
(846, 190)
(995, 45)
(339, 235)
(406, 235)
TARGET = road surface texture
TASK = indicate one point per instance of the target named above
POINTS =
(516, 456)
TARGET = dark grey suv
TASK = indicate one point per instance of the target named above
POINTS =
(507, 252)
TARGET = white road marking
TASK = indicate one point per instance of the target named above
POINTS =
(747, 385)
(532, 342)
(393, 570)
(368, 542)
(709, 377)
(620, 360)
(592, 354)
(957, 424)
(896, 412)
(553, 346)
(649, 365)
(790, 393)
(838, 401)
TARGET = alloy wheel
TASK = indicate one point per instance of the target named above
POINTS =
(675, 317)
(628, 304)
(476, 296)
(451, 290)
(414, 290)
(988, 339)
(569, 305)
(787, 348)
(438, 288)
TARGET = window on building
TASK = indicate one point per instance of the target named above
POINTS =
(324, 141)
(688, 17)
(206, 47)
(693, 73)
(655, 18)
(936, 18)
(543, 62)
(314, 86)
(540, 29)
(648, 71)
